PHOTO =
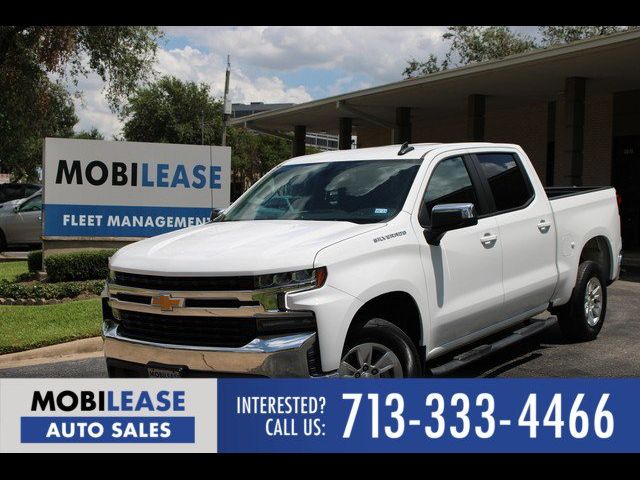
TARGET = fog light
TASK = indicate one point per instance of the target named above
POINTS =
(288, 324)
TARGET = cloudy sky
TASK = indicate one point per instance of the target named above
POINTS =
(276, 64)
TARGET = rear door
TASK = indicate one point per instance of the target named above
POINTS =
(527, 232)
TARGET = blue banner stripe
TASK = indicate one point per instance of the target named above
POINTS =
(118, 221)
(107, 429)
(526, 415)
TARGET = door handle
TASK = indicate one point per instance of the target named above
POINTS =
(488, 239)
(544, 226)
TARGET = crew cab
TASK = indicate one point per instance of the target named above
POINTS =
(376, 262)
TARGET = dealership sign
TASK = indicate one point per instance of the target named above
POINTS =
(95, 188)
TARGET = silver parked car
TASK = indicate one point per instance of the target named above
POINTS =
(21, 223)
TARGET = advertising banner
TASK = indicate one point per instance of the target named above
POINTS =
(320, 415)
(95, 188)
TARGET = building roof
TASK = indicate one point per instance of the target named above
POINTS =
(609, 63)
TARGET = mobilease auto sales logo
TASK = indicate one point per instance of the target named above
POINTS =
(108, 416)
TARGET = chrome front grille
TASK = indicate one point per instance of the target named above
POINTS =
(193, 303)
(206, 318)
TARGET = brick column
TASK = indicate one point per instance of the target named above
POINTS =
(475, 118)
(344, 138)
(299, 135)
(402, 132)
(574, 96)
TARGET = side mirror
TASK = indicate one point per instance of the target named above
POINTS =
(449, 216)
(16, 209)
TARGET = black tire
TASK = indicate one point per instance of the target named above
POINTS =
(572, 317)
(3, 242)
(382, 332)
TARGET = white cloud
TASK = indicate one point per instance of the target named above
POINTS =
(92, 108)
(191, 64)
(377, 51)
(263, 56)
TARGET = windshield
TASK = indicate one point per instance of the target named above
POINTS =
(357, 191)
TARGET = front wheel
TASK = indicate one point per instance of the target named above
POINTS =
(379, 349)
(581, 319)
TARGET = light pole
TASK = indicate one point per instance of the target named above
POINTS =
(226, 108)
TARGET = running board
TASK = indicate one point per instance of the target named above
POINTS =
(482, 351)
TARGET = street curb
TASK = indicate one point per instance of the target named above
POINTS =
(85, 348)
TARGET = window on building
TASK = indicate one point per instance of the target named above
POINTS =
(508, 183)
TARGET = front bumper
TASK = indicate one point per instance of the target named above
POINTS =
(292, 355)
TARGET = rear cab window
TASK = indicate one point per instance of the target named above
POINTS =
(508, 182)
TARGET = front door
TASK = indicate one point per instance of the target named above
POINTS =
(464, 272)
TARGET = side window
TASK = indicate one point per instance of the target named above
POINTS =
(449, 183)
(32, 205)
(509, 186)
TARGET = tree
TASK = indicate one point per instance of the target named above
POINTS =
(560, 34)
(253, 155)
(172, 111)
(123, 56)
(469, 44)
(92, 134)
(35, 61)
(32, 107)
(416, 68)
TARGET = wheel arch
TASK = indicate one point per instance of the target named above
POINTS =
(397, 307)
(598, 249)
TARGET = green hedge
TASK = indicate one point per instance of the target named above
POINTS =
(84, 265)
(50, 291)
(34, 261)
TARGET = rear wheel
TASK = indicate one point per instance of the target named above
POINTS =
(3, 242)
(582, 318)
(379, 349)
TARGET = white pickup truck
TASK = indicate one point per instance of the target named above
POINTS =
(377, 262)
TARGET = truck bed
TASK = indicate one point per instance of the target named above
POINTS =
(554, 193)
(582, 213)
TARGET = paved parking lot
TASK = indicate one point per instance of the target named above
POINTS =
(616, 352)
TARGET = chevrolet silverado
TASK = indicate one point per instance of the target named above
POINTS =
(376, 262)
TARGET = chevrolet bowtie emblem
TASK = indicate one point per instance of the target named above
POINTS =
(166, 302)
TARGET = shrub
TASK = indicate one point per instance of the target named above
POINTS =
(50, 290)
(84, 265)
(34, 261)
(25, 277)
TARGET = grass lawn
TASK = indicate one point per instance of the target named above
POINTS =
(9, 270)
(23, 328)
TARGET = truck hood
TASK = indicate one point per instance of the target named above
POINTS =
(235, 248)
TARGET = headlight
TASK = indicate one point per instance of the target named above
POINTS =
(112, 276)
(273, 287)
(311, 278)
